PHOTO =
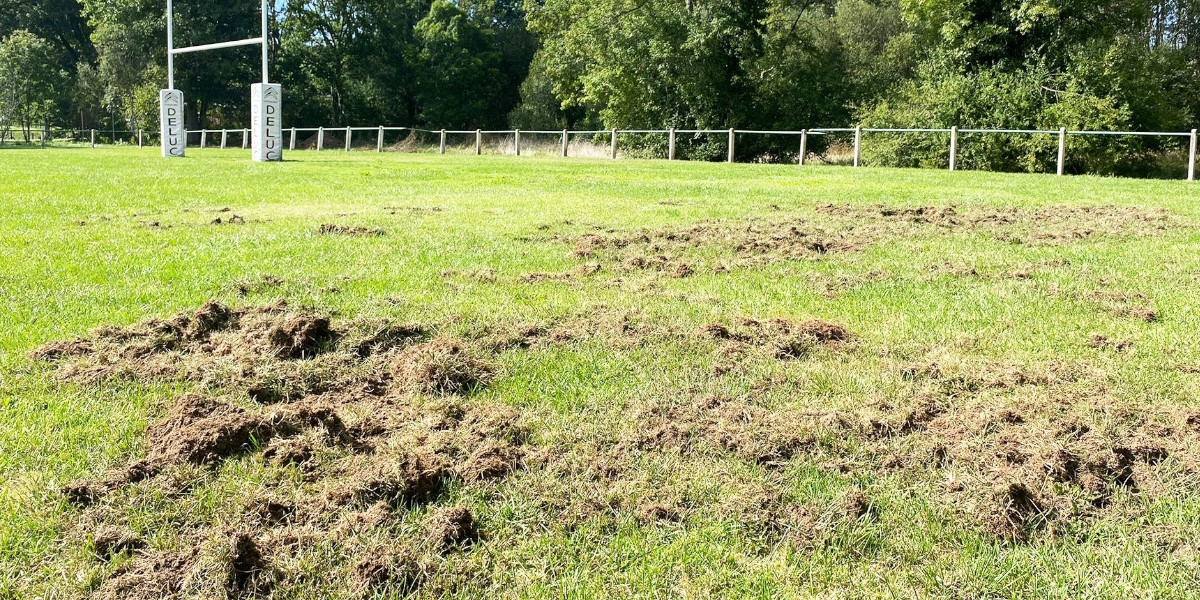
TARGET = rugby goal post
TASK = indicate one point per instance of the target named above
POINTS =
(266, 99)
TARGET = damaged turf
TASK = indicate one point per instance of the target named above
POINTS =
(373, 416)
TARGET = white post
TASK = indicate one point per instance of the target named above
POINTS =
(266, 128)
(671, 145)
(379, 140)
(292, 143)
(478, 142)
(224, 137)
(565, 142)
(266, 77)
(170, 51)
(171, 129)
(442, 142)
(349, 134)
(245, 138)
(93, 138)
(803, 145)
(517, 140)
(613, 145)
(732, 145)
(320, 138)
(1062, 151)
(858, 145)
(140, 135)
(203, 138)
(953, 148)
(1192, 159)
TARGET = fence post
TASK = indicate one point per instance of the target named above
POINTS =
(517, 140)
(349, 135)
(245, 139)
(379, 140)
(140, 134)
(565, 141)
(478, 142)
(732, 145)
(292, 141)
(671, 145)
(203, 138)
(442, 142)
(858, 145)
(1192, 159)
(612, 147)
(320, 138)
(1062, 151)
(93, 138)
(803, 145)
(954, 147)
(224, 137)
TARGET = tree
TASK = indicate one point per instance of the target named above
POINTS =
(457, 70)
(32, 82)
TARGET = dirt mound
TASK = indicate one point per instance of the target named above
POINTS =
(374, 418)
(449, 528)
(160, 575)
(442, 366)
(332, 229)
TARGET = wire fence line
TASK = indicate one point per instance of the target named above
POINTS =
(317, 138)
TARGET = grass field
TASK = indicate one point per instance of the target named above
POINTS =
(573, 378)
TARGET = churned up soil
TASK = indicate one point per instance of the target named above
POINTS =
(354, 435)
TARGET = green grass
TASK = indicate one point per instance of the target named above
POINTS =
(78, 253)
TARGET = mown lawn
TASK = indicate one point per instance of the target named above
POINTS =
(704, 380)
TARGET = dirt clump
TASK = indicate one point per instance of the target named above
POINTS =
(1013, 511)
(721, 424)
(109, 541)
(442, 366)
(855, 504)
(297, 336)
(249, 575)
(449, 528)
(369, 413)
(400, 480)
(780, 338)
(836, 229)
(150, 576)
(351, 231)
(657, 513)
(1103, 342)
(398, 571)
(200, 430)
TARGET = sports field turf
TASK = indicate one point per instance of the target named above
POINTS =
(534, 377)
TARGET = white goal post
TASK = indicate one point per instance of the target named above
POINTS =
(266, 98)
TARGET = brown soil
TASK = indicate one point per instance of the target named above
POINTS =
(332, 229)
(449, 528)
(851, 228)
(377, 420)
(375, 415)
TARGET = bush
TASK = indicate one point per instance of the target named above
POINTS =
(991, 99)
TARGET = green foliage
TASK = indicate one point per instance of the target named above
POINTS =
(994, 99)
(458, 71)
(31, 82)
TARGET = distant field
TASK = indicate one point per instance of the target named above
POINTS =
(535, 377)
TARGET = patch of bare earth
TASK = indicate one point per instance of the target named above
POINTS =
(349, 230)
(376, 420)
(850, 228)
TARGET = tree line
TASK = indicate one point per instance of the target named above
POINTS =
(634, 64)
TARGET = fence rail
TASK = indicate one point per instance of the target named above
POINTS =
(242, 137)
